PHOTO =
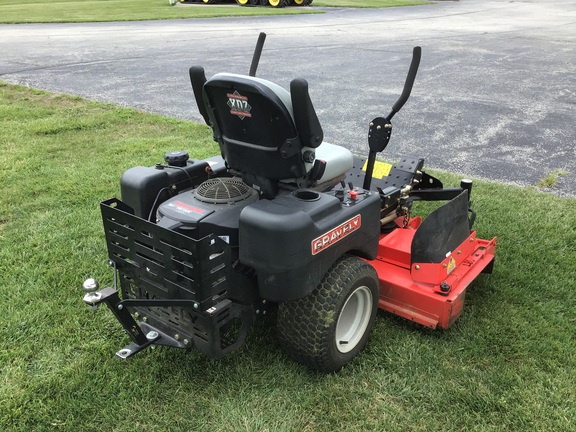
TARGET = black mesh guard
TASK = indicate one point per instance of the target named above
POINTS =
(164, 263)
(158, 264)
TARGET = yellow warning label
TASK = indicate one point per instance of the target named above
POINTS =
(451, 265)
(381, 169)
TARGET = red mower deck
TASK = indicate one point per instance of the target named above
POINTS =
(431, 294)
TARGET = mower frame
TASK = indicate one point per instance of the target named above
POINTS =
(182, 281)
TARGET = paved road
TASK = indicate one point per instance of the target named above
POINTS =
(495, 96)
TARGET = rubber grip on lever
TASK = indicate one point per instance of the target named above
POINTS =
(416, 55)
(257, 53)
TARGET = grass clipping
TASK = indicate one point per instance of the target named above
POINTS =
(507, 364)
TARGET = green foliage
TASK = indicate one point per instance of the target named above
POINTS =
(551, 178)
(507, 364)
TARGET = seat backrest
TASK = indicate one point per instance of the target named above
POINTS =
(253, 121)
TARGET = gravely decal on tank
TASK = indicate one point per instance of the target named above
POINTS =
(335, 235)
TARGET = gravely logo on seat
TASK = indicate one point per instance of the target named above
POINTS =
(336, 234)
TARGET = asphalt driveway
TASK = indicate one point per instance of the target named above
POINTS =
(495, 96)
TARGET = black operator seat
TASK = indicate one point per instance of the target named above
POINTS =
(266, 133)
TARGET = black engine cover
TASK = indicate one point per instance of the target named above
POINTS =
(188, 215)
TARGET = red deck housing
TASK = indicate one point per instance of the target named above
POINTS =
(431, 294)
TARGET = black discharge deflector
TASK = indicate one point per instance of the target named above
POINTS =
(442, 231)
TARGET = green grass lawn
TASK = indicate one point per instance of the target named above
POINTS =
(507, 364)
(36, 11)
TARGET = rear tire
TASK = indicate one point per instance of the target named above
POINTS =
(242, 2)
(329, 327)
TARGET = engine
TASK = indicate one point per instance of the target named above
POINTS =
(213, 207)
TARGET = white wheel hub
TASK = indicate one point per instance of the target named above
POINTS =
(353, 320)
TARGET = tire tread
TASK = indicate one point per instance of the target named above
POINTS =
(305, 326)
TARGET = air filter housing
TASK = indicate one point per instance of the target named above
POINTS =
(223, 191)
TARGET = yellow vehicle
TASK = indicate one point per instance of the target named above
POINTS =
(271, 3)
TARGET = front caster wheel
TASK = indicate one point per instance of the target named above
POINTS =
(329, 327)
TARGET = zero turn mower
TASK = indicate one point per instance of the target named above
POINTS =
(281, 219)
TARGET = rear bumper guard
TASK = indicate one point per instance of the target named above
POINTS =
(214, 335)
(174, 285)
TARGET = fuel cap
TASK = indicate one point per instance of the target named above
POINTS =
(176, 158)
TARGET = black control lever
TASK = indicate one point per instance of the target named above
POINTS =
(257, 53)
(416, 55)
(381, 128)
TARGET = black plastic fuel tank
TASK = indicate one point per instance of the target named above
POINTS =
(140, 186)
(293, 240)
